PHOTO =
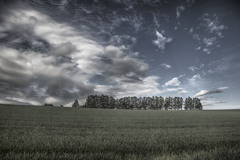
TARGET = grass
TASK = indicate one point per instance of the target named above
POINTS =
(35, 132)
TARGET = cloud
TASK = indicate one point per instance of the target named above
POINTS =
(209, 32)
(179, 10)
(145, 87)
(209, 41)
(179, 90)
(207, 92)
(173, 82)
(213, 24)
(194, 68)
(134, 20)
(123, 40)
(194, 79)
(213, 103)
(161, 41)
(155, 20)
(51, 62)
(167, 66)
(224, 64)
(208, 51)
(22, 101)
(191, 30)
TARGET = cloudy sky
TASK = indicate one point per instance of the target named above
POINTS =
(58, 51)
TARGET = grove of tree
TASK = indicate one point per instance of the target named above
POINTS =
(146, 103)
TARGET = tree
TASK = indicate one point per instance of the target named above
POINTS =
(111, 102)
(51, 105)
(197, 104)
(180, 103)
(189, 104)
(170, 103)
(75, 104)
(160, 103)
(167, 103)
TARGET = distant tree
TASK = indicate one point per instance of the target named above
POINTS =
(133, 102)
(189, 104)
(160, 103)
(154, 103)
(167, 103)
(75, 104)
(51, 105)
(180, 103)
(175, 103)
(197, 104)
(111, 102)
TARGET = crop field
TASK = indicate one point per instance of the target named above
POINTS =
(36, 132)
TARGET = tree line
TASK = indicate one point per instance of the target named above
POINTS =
(146, 103)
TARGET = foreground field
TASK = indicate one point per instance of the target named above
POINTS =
(31, 132)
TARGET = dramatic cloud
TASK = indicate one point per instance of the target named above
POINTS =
(206, 92)
(64, 62)
(161, 41)
(59, 51)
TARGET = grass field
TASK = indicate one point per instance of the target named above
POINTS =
(32, 132)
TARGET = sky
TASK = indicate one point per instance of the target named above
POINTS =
(56, 51)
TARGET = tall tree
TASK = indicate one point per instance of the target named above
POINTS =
(167, 103)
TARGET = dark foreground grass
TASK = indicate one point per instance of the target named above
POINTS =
(31, 132)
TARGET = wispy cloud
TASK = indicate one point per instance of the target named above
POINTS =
(209, 41)
(123, 40)
(213, 24)
(223, 64)
(134, 20)
(213, 29)
(193, 80)
(173, 82)
(155, 20)
(194, 68)
(213, 103)
(161, 41)
(179, 90)
(179, 10)
(207, 92)
(206, 50)
(167, 66)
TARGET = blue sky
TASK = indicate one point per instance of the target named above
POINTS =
(59, 51)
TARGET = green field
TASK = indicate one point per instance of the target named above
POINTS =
(33, 132)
